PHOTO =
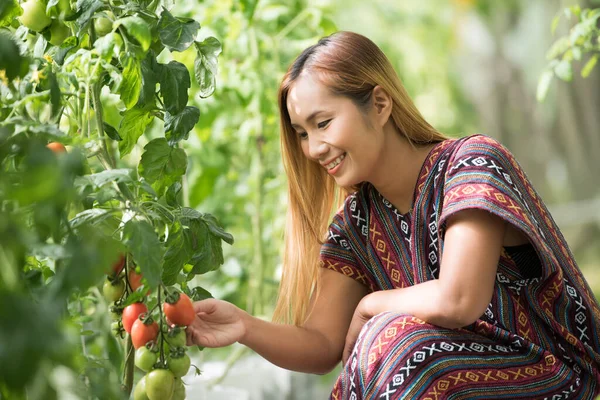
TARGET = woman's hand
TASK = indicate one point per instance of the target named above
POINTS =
(217, 324)
(359, 319)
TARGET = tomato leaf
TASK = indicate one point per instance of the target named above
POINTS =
(111, 175)
(176, 33)
(132, 81)
(199, 293)
(111, 132)
(92, 216)
(9, 10)
(151, 71)
(11, 59)
(206, 65)
(178, 127)
(179, 251)
(162, 164)
(172, 193)
(134, 123)
(216, 229)
(138, 29)
(85, 11)
(147, 250)
(174, 85)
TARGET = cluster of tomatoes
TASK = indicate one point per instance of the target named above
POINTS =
(160, 347)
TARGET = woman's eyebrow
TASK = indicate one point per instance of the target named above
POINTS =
(310, 118)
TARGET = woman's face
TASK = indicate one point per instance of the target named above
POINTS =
(333, 132)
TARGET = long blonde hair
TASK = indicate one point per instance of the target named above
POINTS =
(350, 65)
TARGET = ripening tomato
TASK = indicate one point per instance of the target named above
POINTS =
(139, 393)
(181, 312)
(142, 333)
(160, 384)
(145, 358)
(58, 33)
(57, 147)
(118, 265)
(135, 280)
(113, 290)
(179, 365)
(131, 314)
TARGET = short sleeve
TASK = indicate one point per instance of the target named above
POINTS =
(337, 253)
(483, 174)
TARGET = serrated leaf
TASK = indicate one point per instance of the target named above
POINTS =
(111, 175)
(151, 71)
(147, 250)
(206, 65)
(85, 10)
(172, 193)
(178, 127)
(132, 81)
(179, 251)
(111, 132)
(174, 85)
(91, 216)
(138, 29)
(589, 66)
(9, 10)
(209, 257)
(162, 163)
(544, 85)
(216, 229)
(134, 123)
(176, 33)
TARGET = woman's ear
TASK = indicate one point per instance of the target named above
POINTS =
(382, 105)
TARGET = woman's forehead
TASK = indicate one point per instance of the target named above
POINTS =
(308, 95)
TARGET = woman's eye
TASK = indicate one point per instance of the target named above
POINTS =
(303, 135)
(323, 124)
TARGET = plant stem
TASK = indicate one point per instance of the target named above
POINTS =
(128, 384)
(100, 122)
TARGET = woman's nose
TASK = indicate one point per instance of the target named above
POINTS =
(317, 148)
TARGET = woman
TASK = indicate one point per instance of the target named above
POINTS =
(442, 275)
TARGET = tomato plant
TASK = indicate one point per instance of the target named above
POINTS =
(76, 225)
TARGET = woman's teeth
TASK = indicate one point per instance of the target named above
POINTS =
(335, 162)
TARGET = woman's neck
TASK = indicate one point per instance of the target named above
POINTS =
(397, 172)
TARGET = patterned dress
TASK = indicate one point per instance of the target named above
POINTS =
(539, 337)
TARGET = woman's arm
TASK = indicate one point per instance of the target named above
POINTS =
(472, 247)
(316, 347)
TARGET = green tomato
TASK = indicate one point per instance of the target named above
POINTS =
(179, 365)
(160, 384)
(113, 290)
(103, 26)
(59, 32)
(176, 337)
(139, 393)
(34, 15)
(145, 358)
(64, 8)
(179, 391)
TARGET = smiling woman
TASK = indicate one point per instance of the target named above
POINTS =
(442, 274)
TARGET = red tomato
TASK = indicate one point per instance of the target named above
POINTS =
(131, 314)
(135, 280)
(117, 267)
(57, 147)
(143, 333)
(181, 312)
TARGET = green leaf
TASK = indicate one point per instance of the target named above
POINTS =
(111, 175)
(172, 193)
(564, 70)
(174, 85)
(92, 216)
(151, 71)
(111, 132)
(9, 10)
(199, 293)
(206, 65)
(555, 22)
(216, 229)
(544, 85)
(589, 66)
(147, 250)
(85, 10)
(11, 59)
(178, 127)
(134, 123)
(132, 81)
(162, 164)
(176, 33)
(179, 251)
(210, 256)
(138, 29)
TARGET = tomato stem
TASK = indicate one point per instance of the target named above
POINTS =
(160, 330)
